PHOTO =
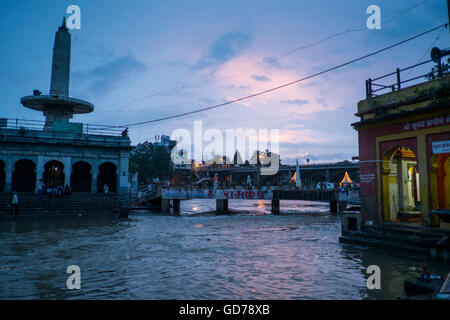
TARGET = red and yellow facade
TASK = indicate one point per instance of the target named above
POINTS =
(404, 140)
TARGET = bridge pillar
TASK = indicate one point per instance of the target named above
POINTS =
(333, 206)
(327, 175)
(276, 206)
(123, 212)
(342, 206)
(221, 205)
(176, 206)
(165, 205)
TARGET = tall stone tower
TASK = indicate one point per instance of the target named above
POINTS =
(58, 107)
(61, 62)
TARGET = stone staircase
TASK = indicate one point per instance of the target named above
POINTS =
(144, 198)
(404, 238)
(79, 202)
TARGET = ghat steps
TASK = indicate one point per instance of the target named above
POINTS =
(30, 203)
(404, 238)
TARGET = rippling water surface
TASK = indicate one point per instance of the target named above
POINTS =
(248, 255)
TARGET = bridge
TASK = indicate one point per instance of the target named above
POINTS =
(233, 175)
(222, 196)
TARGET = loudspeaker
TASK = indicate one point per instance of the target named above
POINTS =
(437, 54)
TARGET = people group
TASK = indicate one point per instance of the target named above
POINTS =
(53, 190)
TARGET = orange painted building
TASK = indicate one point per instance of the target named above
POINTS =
(404, 153)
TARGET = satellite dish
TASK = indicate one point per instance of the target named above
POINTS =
(437, 54)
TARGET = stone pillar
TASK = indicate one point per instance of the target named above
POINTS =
(221, 205)
(123, 213)
(276, 206)
(123, 185)
(165, 205)
(342, 205)
(9, 169)
(40, 168)
(333, 206)
(176, 206)
(422, 166)
(67, 170)
(327, 175)
(94, 174)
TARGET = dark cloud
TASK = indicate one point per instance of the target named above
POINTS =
(260, 78)
(273, 61)
(297, 102)
(236, 88)
(322, 102)
(225, 48)
(107, 76)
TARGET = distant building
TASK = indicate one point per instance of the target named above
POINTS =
(404, 151)
(165, 142)
(60, 152)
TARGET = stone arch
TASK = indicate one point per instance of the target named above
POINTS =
(24, 176)
(107, 174)
(81, 177)
(400, 183)
(2, 175)
(54, 174)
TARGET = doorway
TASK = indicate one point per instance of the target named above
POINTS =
(24, 176)
(401, 186)
(54, 174)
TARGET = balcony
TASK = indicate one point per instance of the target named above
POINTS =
(61, 127)
(19, 131)
(389, 96)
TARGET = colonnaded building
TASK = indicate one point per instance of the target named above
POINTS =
(85, 157)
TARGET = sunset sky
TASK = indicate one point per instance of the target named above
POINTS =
(142, 60)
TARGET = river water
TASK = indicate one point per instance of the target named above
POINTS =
(248, 255)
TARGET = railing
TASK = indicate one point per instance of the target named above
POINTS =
(143, 193)
(73, 127)
(398, 84)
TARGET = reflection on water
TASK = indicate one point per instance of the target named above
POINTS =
(250, 255)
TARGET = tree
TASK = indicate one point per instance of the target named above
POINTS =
(151, 160)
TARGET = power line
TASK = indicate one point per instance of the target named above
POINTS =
(425, 53)
(286, 84)
(213, 77)
(273, 59)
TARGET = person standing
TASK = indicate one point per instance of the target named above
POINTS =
(249, 182)
(40, 187)
(15, 203)
(216, 182)
(105, 189)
